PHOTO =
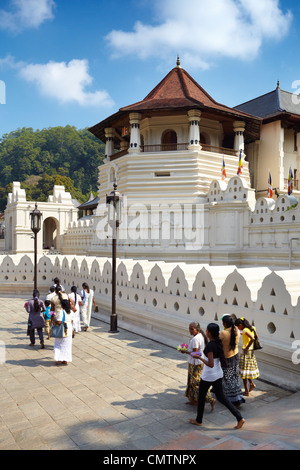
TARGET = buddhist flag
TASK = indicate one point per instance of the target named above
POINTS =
(290, 182)
(124, 131)
(240, 168)
(223, 170)
(270, 186)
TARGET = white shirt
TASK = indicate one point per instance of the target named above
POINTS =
(50, 296)
(197, 342)
(210, 374)
(78, 299)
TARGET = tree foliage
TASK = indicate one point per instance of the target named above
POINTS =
(40, 159)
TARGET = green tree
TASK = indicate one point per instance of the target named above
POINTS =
(55, 154)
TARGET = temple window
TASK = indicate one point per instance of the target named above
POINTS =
(169, 140)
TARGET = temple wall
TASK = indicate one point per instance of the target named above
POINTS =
(228, 226)
(158, 300)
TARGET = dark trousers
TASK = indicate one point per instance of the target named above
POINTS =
(32, 335)
(218, 390)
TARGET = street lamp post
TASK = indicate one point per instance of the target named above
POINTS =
(35, 217)
(114, 200)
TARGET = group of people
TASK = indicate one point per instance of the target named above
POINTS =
(216, 366)
(60, 307)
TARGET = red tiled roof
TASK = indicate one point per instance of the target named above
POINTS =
(179, 90)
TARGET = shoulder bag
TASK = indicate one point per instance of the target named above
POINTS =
(256, 344)
(58, 331)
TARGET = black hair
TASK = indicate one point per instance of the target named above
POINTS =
(74, 290)
(58, 292)
(65, 303)
(244, 323)
(56, 280)
(36, 303)
(199, 329)
(85, 286)
(52, 289)
(214, 330)
(228, 323)
(47, 303)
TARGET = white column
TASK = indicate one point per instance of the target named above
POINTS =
(109, 143)
(281, 159)
(135, 134)
(239, 129)
(194, 136)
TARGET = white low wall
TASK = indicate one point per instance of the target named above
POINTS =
(158, 300)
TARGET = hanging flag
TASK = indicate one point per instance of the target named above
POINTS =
(290, 182)
(270, 185)
(223, 170)
(124, 131)
(240, 168)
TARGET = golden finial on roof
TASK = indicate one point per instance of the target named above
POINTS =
(178, 61)
(278, 85)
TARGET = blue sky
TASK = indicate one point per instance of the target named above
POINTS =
(77, 62)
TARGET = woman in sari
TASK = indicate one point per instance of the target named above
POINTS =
(230, 337)
(63, 346)
(195, 366)
(88, 300)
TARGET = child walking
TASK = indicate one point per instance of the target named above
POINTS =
(47, 317)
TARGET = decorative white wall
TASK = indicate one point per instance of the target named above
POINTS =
(158, 299)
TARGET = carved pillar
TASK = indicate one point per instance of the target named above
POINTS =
(135, 133)
(109, 143)
(194, 136)
(239, 129)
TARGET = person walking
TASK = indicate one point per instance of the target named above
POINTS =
(48, 318)
(248, 363)
(195, 366)
(212, 375)
(58, 283)
(76, 300)
(230, 338)
(57, 299)
(51, 293)
(35, 308)
(87, 298)
(63, 346)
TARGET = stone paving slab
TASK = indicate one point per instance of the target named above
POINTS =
(121, 392)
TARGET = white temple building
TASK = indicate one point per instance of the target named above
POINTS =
(192, 243)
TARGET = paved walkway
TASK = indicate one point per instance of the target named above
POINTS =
(121, 392)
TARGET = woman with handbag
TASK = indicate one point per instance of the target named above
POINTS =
(63, 344)
(248, 364)
(35, 308)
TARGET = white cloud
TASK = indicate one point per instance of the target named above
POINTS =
(204, 30)
(26, 14)
(65, 82)
(9, 62)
